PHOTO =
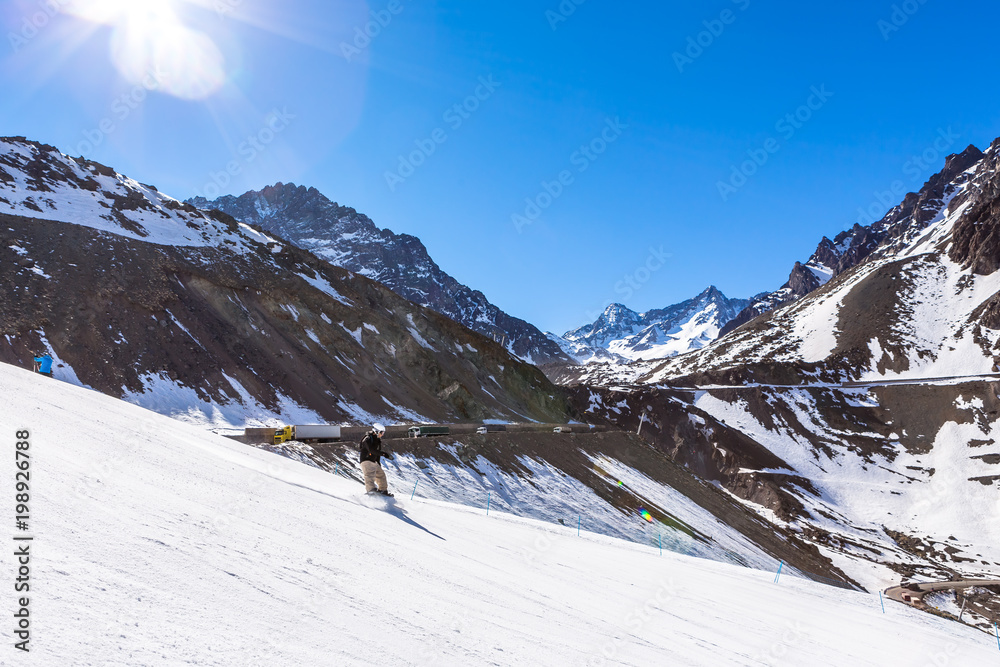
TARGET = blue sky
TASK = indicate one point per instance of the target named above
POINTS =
(586, 123)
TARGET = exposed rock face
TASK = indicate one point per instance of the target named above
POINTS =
(900, 227)
(346, 238)
(976, 244)
(184, 311)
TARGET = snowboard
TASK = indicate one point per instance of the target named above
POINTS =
(377, 501)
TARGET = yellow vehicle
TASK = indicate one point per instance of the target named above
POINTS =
(283, 434)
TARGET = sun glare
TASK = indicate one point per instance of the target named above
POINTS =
(150, 42)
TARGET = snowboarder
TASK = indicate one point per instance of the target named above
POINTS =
(371, 465)
(43, 364)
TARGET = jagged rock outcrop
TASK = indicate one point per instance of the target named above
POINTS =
(348, 239)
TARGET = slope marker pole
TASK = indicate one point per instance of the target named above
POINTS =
(997, 632)
(489, 497)
(579, 520)
(336, 468)
(414, 488)
(882, 600)
(780, 565)
(661, 544)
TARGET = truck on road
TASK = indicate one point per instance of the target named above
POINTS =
(426, 431)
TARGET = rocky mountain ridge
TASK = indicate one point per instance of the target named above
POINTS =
(198, 316)
(625, 335)
(899, 227)
(351, 240)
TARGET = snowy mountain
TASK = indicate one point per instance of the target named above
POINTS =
(197, 315)
(346, 238)
(900, 227)
(865, 415)
(199, 550)
(620, 334)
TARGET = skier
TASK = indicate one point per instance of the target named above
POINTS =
(43, 364)
(371, 466)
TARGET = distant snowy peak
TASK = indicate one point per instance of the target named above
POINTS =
(350, 240)
(622, 334)
(37, 181)
(614, 323)
(899, 228)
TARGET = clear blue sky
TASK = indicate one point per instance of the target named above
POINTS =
(345, 117)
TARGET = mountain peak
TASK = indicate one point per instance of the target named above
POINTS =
(665, 332)
(712, 292)
(616, 311)
(351, 240)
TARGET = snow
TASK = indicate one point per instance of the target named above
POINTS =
(620, 335)
(161, 544)
(416, 334)
(152, 222)
(899, 493)
(935, 329)
(356, 335)
(325, 287)
(168, 397)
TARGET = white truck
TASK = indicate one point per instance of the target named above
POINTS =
(316, 432)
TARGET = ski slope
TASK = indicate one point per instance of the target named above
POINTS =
(158, 544)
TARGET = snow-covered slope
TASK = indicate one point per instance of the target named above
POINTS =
(890, 481)
(37, 181)
(621, 334)
(156, 544)
(914, 492)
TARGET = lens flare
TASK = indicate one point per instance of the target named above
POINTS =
(646, 515)
(150, 42)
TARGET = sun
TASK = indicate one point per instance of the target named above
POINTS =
(150, 42)
(113, 12)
